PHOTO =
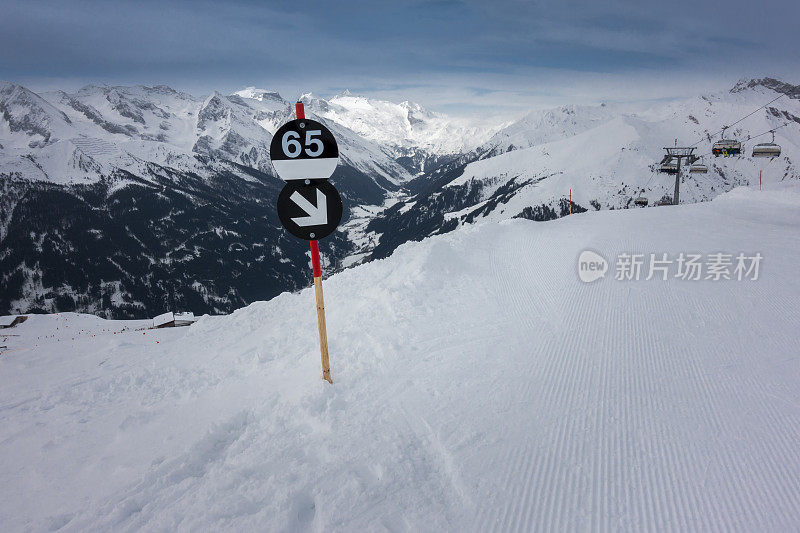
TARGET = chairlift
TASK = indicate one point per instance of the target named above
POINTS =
(769, 149)
(726, 147)
(668, 168)
(700, 167)
(665, 200)
(641, 201)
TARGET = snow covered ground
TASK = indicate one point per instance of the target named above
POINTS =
(478, 385)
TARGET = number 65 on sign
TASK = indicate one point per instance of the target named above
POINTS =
(304, 149)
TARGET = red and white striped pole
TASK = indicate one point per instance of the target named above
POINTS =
(317, 270)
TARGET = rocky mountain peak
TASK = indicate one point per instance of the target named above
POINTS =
(792, 91)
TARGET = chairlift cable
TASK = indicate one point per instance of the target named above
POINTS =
(755, 136)
(741, 119)
(773, 130)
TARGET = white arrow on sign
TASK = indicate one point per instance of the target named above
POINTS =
(317, 214)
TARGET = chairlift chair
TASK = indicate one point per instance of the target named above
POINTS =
(700, 167)
(668, 168)
(769, 149)
(665, 200)
(640, 201)
(726, 146)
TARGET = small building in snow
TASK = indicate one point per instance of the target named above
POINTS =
(184, 319)
(11, 320)
(174, 320)
(167, 320)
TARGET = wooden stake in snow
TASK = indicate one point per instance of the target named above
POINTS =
(323, 332)
(317, 270)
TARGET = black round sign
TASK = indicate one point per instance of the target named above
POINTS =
(310, 211)
(303, 149)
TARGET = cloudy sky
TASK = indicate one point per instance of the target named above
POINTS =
(461, 57)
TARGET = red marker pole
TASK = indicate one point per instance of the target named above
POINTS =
(759, 180)
(570, 201)
(317, 269)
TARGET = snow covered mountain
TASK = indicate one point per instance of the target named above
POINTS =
(478, 385)
(605, 155)
(127, 201)
(407, 131)
(83, 136)
(418, 138)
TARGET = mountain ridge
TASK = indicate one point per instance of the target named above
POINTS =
(602, 156)
(169, 173)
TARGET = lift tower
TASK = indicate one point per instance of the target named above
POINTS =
(678, 154)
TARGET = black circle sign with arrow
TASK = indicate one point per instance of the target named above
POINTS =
(310, 209)
(303, 149)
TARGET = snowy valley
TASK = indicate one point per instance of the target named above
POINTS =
(169, 198)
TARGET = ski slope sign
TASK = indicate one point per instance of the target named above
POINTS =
(310, 209)
(304, 154)
(303, 149)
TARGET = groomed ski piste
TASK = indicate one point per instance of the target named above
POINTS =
(479, 385)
